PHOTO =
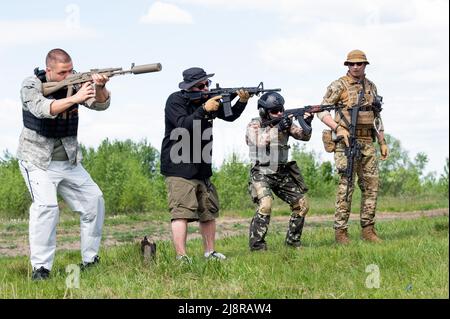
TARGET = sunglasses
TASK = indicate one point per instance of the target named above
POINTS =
(276, 111)
(353, 63)
(201, 86)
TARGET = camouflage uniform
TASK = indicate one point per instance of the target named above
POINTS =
(271, 172)
(346, 90)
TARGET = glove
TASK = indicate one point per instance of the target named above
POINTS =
(284, 124)
(384, 150)
(343, 134)
(212, 104)
(243, 96)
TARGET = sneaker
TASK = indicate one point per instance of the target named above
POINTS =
(184, 259)
(215, 255)
(40, 274)
(85, 265)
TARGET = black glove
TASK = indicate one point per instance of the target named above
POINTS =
(285, 123)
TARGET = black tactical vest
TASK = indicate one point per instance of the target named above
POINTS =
(65, 124)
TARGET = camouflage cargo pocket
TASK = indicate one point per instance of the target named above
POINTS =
(294, 171)
(328, 143)
(341, 161)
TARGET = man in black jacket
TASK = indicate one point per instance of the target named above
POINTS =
(186, 159)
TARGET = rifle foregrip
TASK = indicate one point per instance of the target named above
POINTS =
(146, 68)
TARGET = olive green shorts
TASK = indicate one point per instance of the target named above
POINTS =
(192, 199)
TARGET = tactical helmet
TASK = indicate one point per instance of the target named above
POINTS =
(268, 101)
(356, 56)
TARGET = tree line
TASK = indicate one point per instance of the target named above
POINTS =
(128, 174)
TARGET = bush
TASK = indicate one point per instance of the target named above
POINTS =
(126, 173)
(231, 181)
(319, 177)
(14, 196)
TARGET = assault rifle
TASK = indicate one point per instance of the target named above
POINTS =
(353, 152)
(74, 80)
(228, 94)
(298, 114)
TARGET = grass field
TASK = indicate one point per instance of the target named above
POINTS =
(412, 262)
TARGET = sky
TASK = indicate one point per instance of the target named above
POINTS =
(298, 46)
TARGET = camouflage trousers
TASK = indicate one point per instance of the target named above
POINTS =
(287, 183)
(366, 168)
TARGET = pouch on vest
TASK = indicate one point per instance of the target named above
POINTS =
(328, 143)
(294, 171)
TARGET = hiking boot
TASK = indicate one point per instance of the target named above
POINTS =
(368, 233)
(341, 236)
(184, 259)
(215, 255)
(86, 265)
(40, 274)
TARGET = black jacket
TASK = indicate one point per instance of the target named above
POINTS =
(182, 116)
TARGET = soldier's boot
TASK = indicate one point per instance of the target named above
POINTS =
(295, 230)
(258, 231)
(368, 233)
(341, 236)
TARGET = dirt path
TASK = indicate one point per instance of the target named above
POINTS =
(15, 243)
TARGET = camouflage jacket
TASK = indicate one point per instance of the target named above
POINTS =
(345, 90)
(267, 145)
(38, 149)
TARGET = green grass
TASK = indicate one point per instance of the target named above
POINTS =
(413, 263)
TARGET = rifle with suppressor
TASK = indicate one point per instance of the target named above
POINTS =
(75, 80)
(298, 114)
(228, 94)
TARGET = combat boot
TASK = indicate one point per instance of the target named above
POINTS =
(295, 230)
(341, 236)
(368, 233)
(258, 231)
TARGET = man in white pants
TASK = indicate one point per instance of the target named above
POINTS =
(50, 161)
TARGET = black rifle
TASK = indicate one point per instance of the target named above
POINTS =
(298, 114)
(353, 151)
(228, 94)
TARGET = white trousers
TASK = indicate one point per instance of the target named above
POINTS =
(80, 192)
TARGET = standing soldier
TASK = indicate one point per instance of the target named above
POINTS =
(267, 137)
(351, 90)
(49, 159)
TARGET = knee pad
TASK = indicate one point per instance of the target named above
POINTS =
(265, 205)
(301, 207)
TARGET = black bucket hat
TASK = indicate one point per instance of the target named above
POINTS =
(192, 76)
